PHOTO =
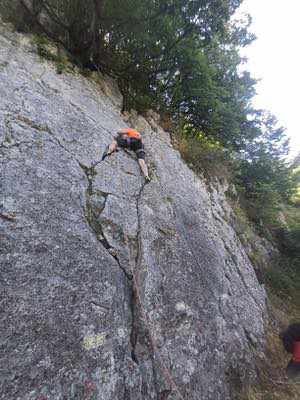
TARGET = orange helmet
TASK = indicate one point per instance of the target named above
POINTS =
(130, 133)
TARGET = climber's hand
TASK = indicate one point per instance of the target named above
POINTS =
(104, 155)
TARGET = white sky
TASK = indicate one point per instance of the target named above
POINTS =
(275, 59)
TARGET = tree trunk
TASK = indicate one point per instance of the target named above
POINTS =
(98, 31)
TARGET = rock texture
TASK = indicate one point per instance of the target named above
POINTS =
(110, 288)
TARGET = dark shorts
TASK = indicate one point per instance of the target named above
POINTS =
(133, 144)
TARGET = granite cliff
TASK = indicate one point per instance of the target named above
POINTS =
(110, 288)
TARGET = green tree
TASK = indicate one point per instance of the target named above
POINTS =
(264, 175)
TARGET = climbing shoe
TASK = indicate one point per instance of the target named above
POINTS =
(147, 179)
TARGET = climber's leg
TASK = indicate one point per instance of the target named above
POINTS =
(141, 160)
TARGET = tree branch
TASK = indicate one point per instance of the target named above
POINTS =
(54, 16)
(40, 25)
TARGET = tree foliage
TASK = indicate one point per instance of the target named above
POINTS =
(155, 47)
(180, 57)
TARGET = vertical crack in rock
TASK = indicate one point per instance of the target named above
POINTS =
(136, 299)
(92, 213)
(134, 323)
(93, 209)
(138, 308)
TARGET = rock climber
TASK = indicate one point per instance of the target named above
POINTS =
(291, 342)
(130, 139)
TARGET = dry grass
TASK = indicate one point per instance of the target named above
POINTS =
(272, 382)
(204, 157)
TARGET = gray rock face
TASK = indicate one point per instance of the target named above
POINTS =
(110, 288)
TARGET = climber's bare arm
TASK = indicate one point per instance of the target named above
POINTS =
(144, 169)
(112, 147)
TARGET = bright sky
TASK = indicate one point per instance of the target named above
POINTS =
(275, 58)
